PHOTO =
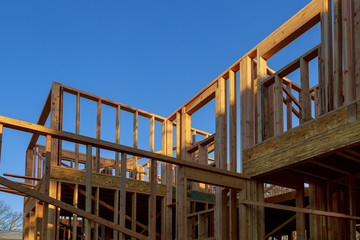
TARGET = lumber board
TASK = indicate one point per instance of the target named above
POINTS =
(301, 133)
(306, 148)
(212, 178)
(109, 102)
(102, 181)
(302, 21)
(300, 210)
(71, 137)
(201, 99)
(68, 207)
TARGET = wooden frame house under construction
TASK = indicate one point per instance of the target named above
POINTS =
(299, 175)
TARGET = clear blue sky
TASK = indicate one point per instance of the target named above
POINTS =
(153, 55)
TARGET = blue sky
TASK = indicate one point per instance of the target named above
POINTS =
(153, 55)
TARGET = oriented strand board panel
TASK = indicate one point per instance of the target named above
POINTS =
(325, 134)
(104, 181)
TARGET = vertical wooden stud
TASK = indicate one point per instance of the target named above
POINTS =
(305, 91)
(356, 41)
(76, 187)
(135, 141)
(232, 121)
(117, 172)
(169, 181)
(279, 112)
(348, 74)
(221, 213)
(300, 217)
(352, 208)
(88, 190)
(338, 63)
(153, 182)
(123, 193)
(326, 29)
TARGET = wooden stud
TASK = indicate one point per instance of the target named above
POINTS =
(338, 62)
(356, 41)
(300, 217)
(182, 206)
(262, 100)
(232, 121)
(169, 181)
(117, 172)
(122, 193)
(348, 73)
(326, 41)
(135, 141)
(352, 208)
(247, 104)
(221, 212)
(305, 91)
(97, 166)
(279, 112)
(133, 212)
(185, 140)
(76, 188)
(153, 183)
(46, 183)
(88, 191)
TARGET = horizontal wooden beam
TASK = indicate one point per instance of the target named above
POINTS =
(68, 207)
(204, 142)
(215, 179)
(302, 143)
(301, 22)
(201, 100)
(300, 210)
(102, 180)
(21, 176)
(109, 102)
(72, 137)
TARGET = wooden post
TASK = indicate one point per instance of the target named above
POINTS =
(117, 172)
(56, 123)
(352, 207)
(133, 212)
(135, 142)
(356, 41)
(221, 211)
(185, 135)
(153, 183)
(76, 188)
(305, 91)
(288, 109)
(314, 234)
(232, 121)
(46, 180)
(97, 166)
(279, 112)
(326, 50)
(182, 204)
(169, 181)
(262, 100)
(123, 193)
(338, 63)
(88, 191)
(32, 225)
(349, 81)
(300, 217)
(247, 104)
(38, 220)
